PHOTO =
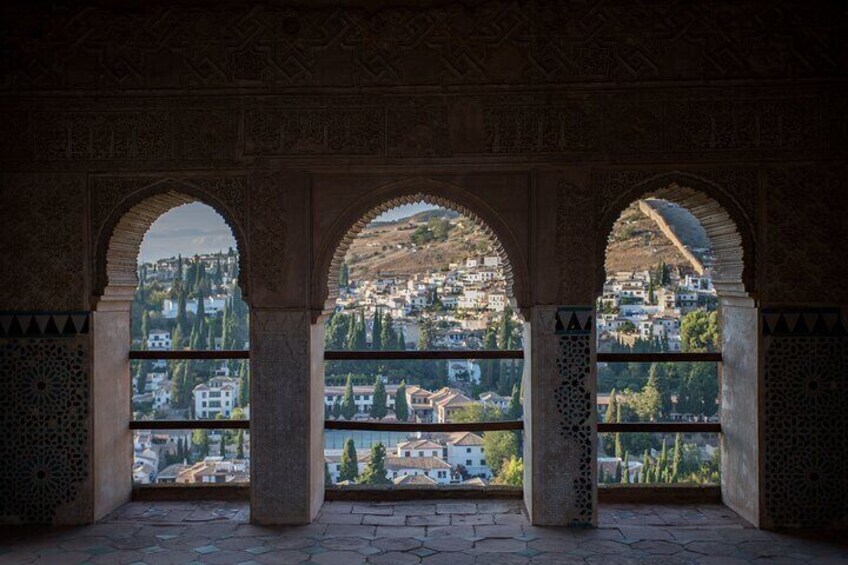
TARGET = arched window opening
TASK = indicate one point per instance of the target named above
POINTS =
(659, 340)
(423, 362)
(189, 353)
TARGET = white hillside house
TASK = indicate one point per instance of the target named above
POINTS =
(218, 396)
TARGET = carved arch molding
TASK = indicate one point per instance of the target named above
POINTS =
(124, 208)
(724, 202)
(353, 220)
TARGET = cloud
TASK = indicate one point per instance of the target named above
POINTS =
(186, 230)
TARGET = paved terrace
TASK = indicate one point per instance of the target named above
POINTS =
(451, 533)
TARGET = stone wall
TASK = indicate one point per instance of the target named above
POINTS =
(544, 119)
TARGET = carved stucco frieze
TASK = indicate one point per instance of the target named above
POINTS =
(42, 235)
(801, 230)
(575, 238)
(235, 46)
(268, 231)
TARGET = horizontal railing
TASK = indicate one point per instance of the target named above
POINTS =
(193, 355)
(379, 426)
(189, 424)
(429, 355)
(659, 357)
(660, 427)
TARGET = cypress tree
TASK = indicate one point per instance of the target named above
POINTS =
(377, 331)
(425, 334)
(240, 448)
(375, 470)
(352, 328)
(513, 411)
(181, 321)
(349, 469)
(361, 332)
(145, 329)
(378, 408)
(328, 478)
(337, 408)
(646, 468)
(401, 407)
(625, 478)
(223, 452)
(388, 339)
(140, 379)
(677, 459)
(243, 386)
(348, 403)
(617, 477)
(663, 463)
(401, 340)
(490, 377)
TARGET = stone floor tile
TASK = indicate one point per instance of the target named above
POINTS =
(498, 531)
(448, 544)
(501, 559)
(427, 520)
(400, 531)
(450, 531)
(341, 530)
(339, 518)
(415, 509)
(171, 557)
(379, 520)
(499, 507)
(337, 507)
(472, 519)
(499, 545)
(226, 557)
(62, 558)
(448, 558)
(396, 544)
(637, 533)
(286, 542)
(344, 544)
(282, 557)
(374, 509)
(509, 518)
(456, 508)
(338, 558)
(559, 545)
(394, 558)
(657, 547)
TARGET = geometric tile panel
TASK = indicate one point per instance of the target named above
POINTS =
(44, 397)
(806, 423)
(574, 405)
(43, 324)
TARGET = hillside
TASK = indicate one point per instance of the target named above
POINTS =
(388, 246)
(637, 242)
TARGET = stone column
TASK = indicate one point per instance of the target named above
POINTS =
(560, 440)
(111, 394)
(741, 408)
(286, 413)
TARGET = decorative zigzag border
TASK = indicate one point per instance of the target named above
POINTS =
(43, 324)
(574, 320)
(803, 322)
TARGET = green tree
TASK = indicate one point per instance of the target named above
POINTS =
(491, 369)
(425, 334)
(512, 472)
(337, 408)
(378, 408)
(377, 331)
(401, 407)
(375, 470)
(243, 385)
(699, 332)
(388, 338)
(514, 410)
(200, 439)
(349, 468)
(328, 478)
(223, 452)
(677, 459)
(140, 379)
(344, 275)
(499, 447)
(625, 477)
(240, 445)
(401, 340)
(348, 403)
(648, 403)
(478, 412)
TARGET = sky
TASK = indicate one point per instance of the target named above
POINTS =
(198, 228)
(187, 230)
